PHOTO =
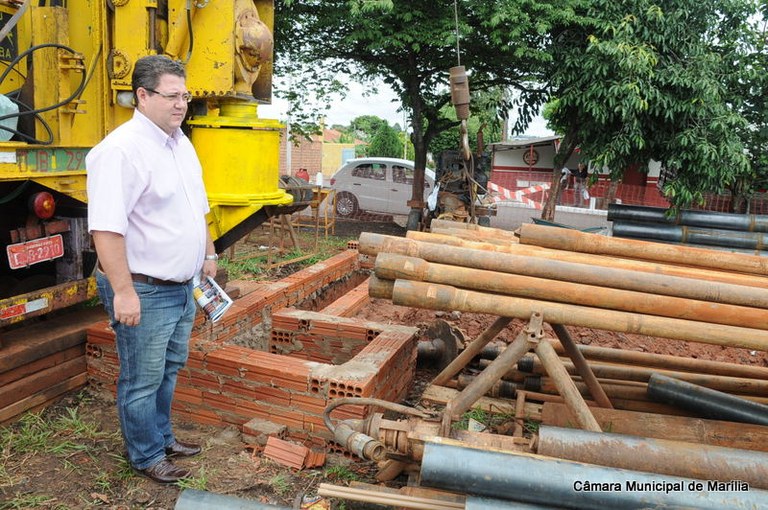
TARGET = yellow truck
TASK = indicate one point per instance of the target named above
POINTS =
(65, 82)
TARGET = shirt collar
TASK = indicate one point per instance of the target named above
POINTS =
(162, 137)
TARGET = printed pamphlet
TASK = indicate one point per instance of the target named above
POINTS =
(211, 298)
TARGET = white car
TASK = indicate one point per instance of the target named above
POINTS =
(382, 185)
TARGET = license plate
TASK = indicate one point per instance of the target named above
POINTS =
(37, 250)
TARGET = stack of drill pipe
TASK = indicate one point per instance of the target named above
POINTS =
(665, 426)
(735, 385)
(538, 479)
(437, 277)
(574, 240)
(472, 232)
(737, 232)
(593, 260)
(676, 458)
(621, 396)
(489, 231)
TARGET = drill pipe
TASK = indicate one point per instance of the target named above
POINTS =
(372, 244)
(488, 231)
(705, 237)
(630, 390)
(538, 479)
(380, 288)
(663, 426)
(621, 357)
(444, 297)
(647, 359)
(574, 240)
(392, 266)
(706, 402)
(737, 385)
(710, 219)
(593, 260)
(663, 456)
(472, 235)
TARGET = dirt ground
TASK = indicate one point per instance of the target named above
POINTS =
(80, 463)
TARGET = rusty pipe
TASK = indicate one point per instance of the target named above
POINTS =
(677, 458)
(665, 361)
(706, 402)
(736, 385)
(489, 231)
(444, 297)
(648, 360)
(574, 240)
(392, 266)
(664, 426)
(592, 259)
(371, 244)
(380, 288)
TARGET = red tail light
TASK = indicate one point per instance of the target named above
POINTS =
(42, 204)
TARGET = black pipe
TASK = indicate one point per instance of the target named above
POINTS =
(706, 402)
(692, 235)
(709, 219)
(550, 481)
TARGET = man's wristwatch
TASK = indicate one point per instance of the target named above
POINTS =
(212, 257)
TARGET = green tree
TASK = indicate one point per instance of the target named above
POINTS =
(748, 93)
(366, 126)
(411, 47)
(386, 143)
(639, 80)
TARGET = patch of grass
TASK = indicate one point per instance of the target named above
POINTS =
(341, 473)
(530, 426)
(199, 482)
(26, 501)
(250, 259)
(476, 414)
(280, 484)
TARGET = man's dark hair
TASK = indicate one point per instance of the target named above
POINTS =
(148, 70)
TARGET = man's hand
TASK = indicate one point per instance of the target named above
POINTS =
(209, 268)
(127, 307)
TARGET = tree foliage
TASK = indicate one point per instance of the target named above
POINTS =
(642, 80)
(411, 47)
(386, 143)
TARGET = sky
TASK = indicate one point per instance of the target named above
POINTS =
(380, 105)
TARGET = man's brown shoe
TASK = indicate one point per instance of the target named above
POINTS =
(165, 471)
(179, 449)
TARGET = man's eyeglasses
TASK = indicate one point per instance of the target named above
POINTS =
(174, 98)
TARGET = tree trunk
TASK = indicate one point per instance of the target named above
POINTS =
(564, 151)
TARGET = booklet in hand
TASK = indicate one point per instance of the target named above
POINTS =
(211, 298)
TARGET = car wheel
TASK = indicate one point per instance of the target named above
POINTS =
(346, 204)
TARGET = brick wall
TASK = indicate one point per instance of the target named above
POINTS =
(313, 358)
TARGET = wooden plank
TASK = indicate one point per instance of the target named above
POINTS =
(41, 398)
(35, 383)
(42, 364)
(660, 426)
(32, 342)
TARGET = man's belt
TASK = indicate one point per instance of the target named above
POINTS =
(142, 278)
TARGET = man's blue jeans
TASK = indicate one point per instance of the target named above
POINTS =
(151, 355)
